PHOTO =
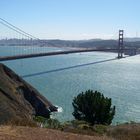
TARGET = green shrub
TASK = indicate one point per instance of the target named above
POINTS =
(53, 124)
(84, 126)
(101, 129)
(78, 122)
(40, 119)
(93, 107)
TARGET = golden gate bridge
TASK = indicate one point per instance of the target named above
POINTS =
(33, 44)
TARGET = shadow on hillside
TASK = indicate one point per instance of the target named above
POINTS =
(66, 68)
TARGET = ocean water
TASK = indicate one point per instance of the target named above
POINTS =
(60, 78)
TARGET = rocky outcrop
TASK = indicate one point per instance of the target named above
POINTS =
(19, 100)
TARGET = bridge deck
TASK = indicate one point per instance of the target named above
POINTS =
(7, 58)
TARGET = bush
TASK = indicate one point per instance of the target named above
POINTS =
(40, 119)
(93, 107)
(76, 123)
(100, 129)
(84, 127)
(53, 124)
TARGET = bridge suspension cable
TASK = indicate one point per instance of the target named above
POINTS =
(28, 44)
(25, 45)
(16, 29)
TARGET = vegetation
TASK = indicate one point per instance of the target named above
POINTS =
(76, 126)
(40, 119)
(53, 124)
(93, 107)
(21, 122)
(127, 131)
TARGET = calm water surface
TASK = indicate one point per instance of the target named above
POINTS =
(60, 78)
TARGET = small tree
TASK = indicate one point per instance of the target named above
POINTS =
(93, 107)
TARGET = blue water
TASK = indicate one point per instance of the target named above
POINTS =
(61, 78)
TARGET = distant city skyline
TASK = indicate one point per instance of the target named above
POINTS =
(73, 19)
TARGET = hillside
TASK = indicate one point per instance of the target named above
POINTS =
(120, 132)
(92, 43)
(19, 100)
(28, 133)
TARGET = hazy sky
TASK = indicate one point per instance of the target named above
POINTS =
(73, 19)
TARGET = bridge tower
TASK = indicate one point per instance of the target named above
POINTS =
(120, 44)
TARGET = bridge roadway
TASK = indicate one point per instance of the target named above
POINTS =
(7, 58)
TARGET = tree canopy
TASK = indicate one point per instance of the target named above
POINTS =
(93, 107)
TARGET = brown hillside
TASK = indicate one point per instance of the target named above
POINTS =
(27, 133)
(18, 99)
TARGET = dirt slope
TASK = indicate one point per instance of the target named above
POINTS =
(18, 99)
(27, 133)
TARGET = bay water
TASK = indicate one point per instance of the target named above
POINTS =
(61, 78)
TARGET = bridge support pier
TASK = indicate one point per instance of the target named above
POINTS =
(120, 44)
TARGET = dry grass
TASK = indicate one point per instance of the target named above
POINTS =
(21, 122)
(28, 133)
(120, 132)
(125, 132)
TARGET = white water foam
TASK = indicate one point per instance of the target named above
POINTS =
(54, 114)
